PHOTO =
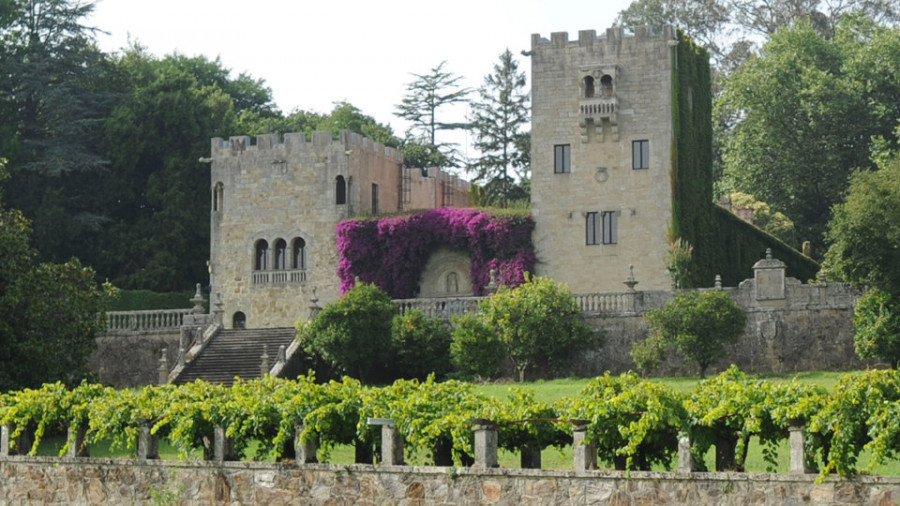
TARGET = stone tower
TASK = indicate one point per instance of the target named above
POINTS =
(602, 146)
(275, 205)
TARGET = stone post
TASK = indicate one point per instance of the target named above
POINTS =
(162, 377)
(5, 431)
(218, 311)
(485, 443)
(391, 441)
(685, 459)
(585, 452)
(77, 446)
(304, 451)
(264, 367)
(798, 449)
(223, 446)
(148, 444)
(282, 356)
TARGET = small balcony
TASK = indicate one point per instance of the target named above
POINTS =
(599, 108)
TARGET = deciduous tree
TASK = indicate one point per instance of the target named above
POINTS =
(699, 325)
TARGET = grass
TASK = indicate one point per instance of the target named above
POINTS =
(547, 391)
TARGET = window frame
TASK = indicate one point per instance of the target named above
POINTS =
(609, 227)
(640, 154)
(591, 238)
(562, 158)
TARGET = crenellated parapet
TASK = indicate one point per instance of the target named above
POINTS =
(297, 143)
(611, 39)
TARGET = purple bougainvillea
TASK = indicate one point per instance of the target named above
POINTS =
(392, 252)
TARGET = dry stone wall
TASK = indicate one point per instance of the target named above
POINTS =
(36, 480)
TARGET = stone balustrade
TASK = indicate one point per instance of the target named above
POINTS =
(280, 277)
(440, 307)
(150, 320)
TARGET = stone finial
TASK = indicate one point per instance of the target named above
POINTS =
(630, 282)
(163, 369)
(264, 361)
(821, 277)
(718, 283)
(314, 307)
(198, 301)
(182, 359)
(281, 358)
(492, 285)
(768, 253)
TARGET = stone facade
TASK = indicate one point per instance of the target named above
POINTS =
(601, 157)
(38, 480)
(275, 207)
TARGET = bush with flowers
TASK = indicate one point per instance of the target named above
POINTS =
(391, 252)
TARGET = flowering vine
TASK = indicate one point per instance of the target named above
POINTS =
(391, 252)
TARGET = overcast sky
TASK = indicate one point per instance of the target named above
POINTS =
(314, 53)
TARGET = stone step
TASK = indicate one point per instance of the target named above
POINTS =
(236, 353)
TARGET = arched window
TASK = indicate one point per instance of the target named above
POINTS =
(340, 190)
(298, 258)
(606, 84)
(219, 197)
(280, 255)
(239, 320)
(261, 262)
(588, 86)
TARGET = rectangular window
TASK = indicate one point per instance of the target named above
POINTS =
(591, 229)
(374, 198)
(610, 227)
(640, 154)
(562, 159)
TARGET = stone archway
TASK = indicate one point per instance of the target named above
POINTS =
(446, 274)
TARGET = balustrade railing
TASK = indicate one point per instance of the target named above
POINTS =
(440, 308)
(161, 319)
(280, 277)
(606, 303)
(599, 107)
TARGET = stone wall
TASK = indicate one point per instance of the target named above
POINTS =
(37, 480)
(130, 360)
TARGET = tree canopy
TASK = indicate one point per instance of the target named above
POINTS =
(499, 119)
(809, 107)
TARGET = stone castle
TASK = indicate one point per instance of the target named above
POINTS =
(602, 186)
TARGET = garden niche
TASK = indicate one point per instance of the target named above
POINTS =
(392, 252)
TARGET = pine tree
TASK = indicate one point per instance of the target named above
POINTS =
(499, 119)
(424, 96)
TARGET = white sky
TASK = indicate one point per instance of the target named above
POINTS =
(314, 53)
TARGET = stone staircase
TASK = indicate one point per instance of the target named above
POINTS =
(235, 352)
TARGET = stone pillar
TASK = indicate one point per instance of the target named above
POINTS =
(148, 444)
(798, 449)
(391, 441)
(162, 377)
(5, 431)
(485, 444)
(685, 459)
(218, 311)
(77, 446)
(223, 447)
(585, 452)
(391, 446)
(304, 451)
